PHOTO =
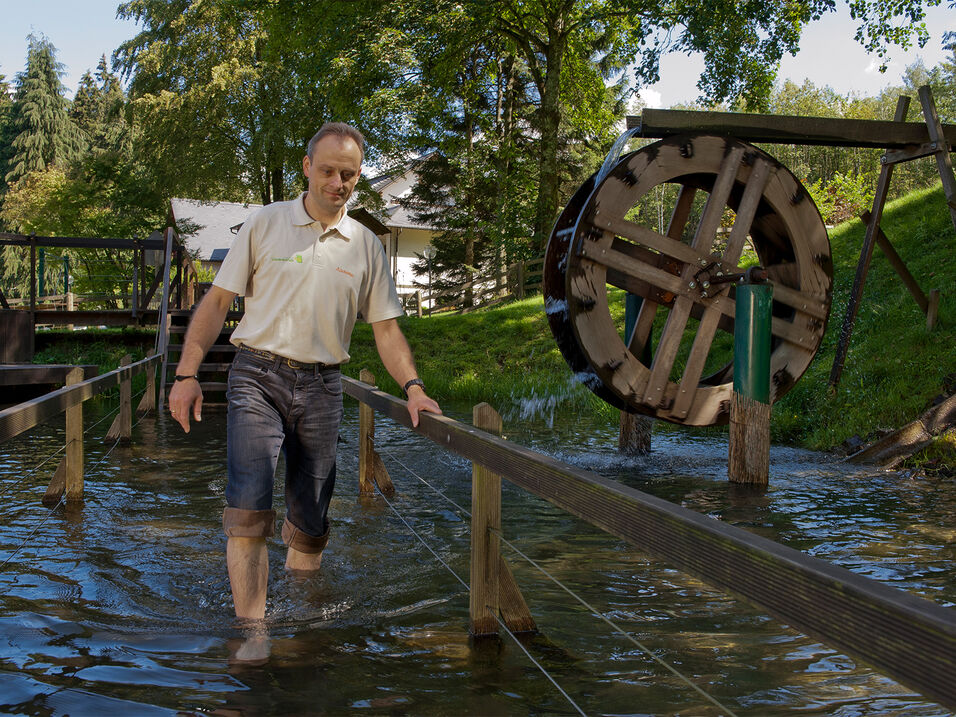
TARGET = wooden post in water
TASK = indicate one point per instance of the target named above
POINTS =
(148, 402)
(371, 466)
(69, 474)
(749, 450)
(493, 587)
(122, 428)
(634, 436)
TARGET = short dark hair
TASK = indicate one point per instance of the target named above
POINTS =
(339, 129)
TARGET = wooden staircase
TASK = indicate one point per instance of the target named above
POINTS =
(213, 372)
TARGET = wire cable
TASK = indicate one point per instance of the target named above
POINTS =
(436, 490)
(581, 600)
(466, 586)
(534, 661)
(616, 628)
(51, 511)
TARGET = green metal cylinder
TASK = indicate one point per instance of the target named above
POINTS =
(752, 341)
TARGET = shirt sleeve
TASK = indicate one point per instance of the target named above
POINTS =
(235, 274)
(381, 300)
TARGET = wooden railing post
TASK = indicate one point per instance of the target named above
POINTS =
(74, 444)
(366, 438)
(70, 470)
(148, 402)
(493, 587)
(122, 428)
(371, 466)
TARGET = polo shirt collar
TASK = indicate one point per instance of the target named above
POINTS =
(300, 217)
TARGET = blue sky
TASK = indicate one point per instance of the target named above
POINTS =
(82, 30)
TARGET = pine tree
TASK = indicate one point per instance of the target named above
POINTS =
(43, 133)
(97, 111)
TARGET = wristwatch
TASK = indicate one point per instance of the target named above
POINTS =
(183, 378)
(413, 382)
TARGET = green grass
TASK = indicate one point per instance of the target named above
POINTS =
(894, 368)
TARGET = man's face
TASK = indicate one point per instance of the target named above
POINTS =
(332, 171)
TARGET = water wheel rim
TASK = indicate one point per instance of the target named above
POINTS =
(555, 296)
(783, 224)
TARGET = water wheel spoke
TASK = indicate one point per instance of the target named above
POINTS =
(642, 328)
(794, 332)
(681, 212)
(623, 263)
(753, 193)
(667, 351)
(694, 368)
(641, 235)
(717, 200)
(783, 277)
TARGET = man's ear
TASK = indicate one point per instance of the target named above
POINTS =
(305, 165)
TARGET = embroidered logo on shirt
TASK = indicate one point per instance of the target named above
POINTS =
(297, 258)
(339, 268)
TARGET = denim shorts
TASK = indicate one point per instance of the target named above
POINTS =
(273, 407)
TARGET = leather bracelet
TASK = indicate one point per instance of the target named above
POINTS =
(413, 382)
(183, 378)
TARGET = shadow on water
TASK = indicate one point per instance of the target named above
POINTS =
(123, 606)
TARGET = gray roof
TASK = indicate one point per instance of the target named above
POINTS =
(218, 222)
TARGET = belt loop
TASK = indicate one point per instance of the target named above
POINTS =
(276, 363)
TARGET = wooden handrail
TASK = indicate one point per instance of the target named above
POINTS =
(907, 637)
(24, 416)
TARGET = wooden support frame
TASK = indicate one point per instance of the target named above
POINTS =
(493, 587)
(122, 427)
(866, 254)
(371, 466)
(940, 146)
(69, 473)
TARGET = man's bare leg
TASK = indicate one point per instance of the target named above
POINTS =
(296, 560)
(248, 562)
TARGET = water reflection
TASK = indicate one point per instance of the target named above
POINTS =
(124, 606)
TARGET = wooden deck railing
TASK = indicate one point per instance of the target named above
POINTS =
(69, 399)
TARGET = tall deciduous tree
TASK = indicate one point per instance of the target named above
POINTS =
(43, 134)
(213, 99)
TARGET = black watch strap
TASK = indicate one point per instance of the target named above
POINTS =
(413, 382)
(180, 377)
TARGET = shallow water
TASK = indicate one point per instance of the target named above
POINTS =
(124, 606)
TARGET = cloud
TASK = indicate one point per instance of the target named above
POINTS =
(650, 98)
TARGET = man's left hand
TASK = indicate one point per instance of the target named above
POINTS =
(418, 400)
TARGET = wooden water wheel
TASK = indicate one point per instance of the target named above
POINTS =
(728, 206)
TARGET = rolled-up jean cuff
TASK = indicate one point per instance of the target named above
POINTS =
(301, 541)
(242, 523)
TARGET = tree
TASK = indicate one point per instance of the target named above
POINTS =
(212, 98)
(43, 134)
(99, 197)
(98, 111)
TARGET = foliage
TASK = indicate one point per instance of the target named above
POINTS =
(43, 134)
(103, 197)
(843, 198)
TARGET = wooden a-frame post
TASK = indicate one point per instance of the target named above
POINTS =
(874, 236)
(493, 587)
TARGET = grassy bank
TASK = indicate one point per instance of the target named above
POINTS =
(894, 369)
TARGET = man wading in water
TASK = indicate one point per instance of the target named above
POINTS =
(306, 269)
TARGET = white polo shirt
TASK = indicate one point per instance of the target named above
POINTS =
(304, 285)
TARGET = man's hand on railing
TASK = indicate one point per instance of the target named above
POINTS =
(185, 398)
